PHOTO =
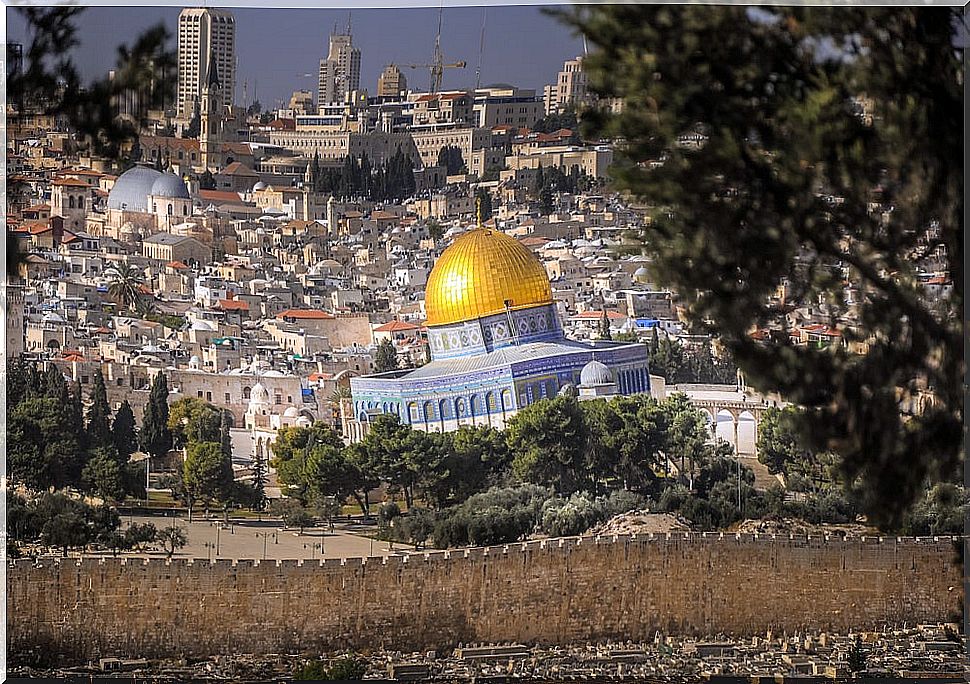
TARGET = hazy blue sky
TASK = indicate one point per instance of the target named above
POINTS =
(277, 46)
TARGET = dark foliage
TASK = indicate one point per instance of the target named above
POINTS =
(762, 161)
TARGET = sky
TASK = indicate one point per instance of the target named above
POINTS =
(276, 47)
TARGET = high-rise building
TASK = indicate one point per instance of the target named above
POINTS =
(203, 33)
(340, 71)
(569, 89)
(391, 82)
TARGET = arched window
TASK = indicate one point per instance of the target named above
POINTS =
(70, 201)
(246, 393)
(185, 210)
(170, 212)
(80, 203)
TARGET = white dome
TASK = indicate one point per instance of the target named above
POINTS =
(303, 421)
(641, 274)
(291, 412)
(260, 185)
(204, 326)
(195, 362)
(595, 373)
(258, 395)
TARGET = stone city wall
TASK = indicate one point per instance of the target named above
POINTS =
(553, 592)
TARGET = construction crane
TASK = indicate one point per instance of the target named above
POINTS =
(437, 65)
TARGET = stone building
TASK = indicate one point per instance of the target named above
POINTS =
(497, 345)
(166, 247)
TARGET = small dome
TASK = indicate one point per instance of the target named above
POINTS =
(303, 421)
(195, 362)
(130, 192)
(595, 373)
(260, 185)
(170, 185)
(291, 412)
(258, 395)
(641, 274)
(567, 390)
(204, 326)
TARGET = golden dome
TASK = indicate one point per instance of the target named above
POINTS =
(481, 271)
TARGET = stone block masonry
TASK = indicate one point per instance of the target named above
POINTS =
(558, 591)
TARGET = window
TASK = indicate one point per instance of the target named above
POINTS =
(208, 396)
(84, 379)
(200, 394)
(228, 397)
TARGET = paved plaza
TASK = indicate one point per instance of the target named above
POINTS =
(252, 539)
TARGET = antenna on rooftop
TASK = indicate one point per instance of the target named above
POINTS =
(481, 50)
(349, 14)
(585, 46)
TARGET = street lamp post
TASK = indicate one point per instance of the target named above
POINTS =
(265, 536)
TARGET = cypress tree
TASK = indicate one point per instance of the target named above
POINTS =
(18, 382)
(259, 481)
(156, 439)
(225, 439)
(123, 431)
(315, 172)
(99, 415)
(605, 327)
(227, 476)
(53, 384)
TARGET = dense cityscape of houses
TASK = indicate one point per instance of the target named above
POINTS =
(259, 266)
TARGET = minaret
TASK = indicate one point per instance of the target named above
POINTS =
(210, 118)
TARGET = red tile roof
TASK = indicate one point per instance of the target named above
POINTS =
(239, 169)
(219, 195)
(71, 182)
(598, 315)
(397, 326)
(237, 148)
(232, 305)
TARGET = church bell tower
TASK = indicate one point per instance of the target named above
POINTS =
(210, 119)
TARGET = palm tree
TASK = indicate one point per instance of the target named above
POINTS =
(336, 397)
(126, 284)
